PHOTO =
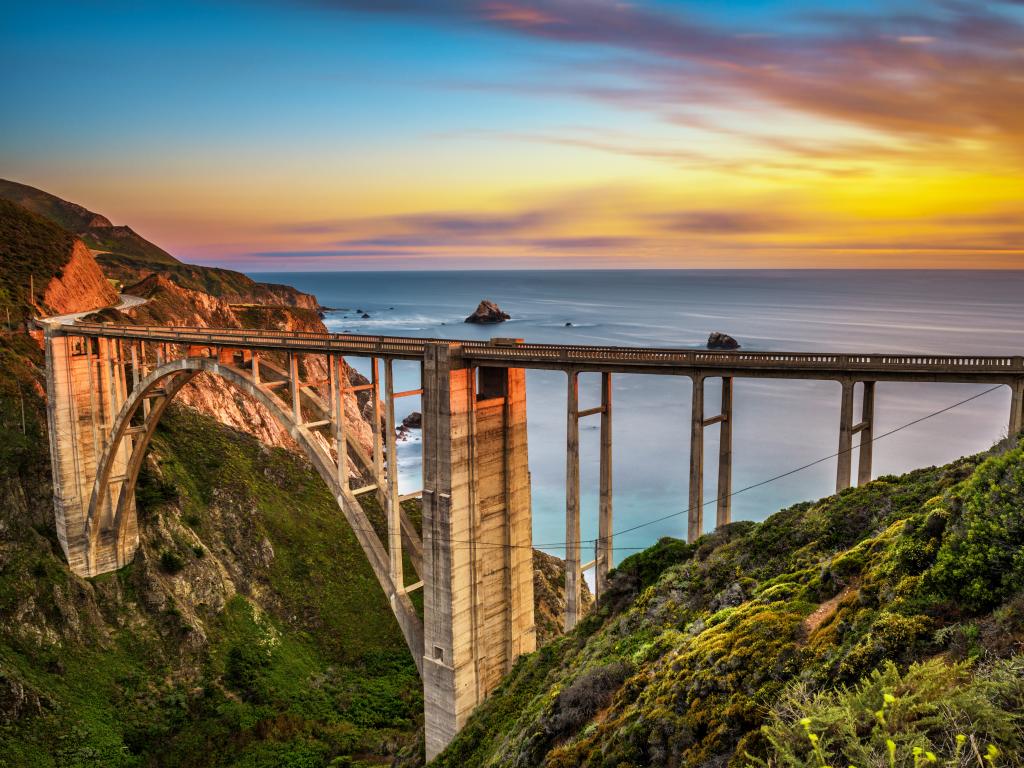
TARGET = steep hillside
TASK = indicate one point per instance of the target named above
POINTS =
(41, 257)
(128, 257)
(95, 230)
(733, 650)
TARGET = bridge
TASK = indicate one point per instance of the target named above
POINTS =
(108, 386)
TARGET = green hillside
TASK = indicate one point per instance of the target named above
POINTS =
(32, 251)
(891, 612)
(96, 231)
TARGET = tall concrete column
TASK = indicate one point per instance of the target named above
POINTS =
(393, 505)
(695, 517)
(867, 423)
(296, 387)
(572, 503)
(724, 514)
(603, 556)
(845, 436)
(378, 450)
(338, 387)
(478, 601)
(1016, 408)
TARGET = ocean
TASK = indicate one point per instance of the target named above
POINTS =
(778, 425)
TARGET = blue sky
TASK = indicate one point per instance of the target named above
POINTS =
(811, 134)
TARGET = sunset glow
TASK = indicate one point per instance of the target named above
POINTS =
(561, 133)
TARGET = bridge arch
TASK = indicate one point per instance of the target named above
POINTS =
(159, 388)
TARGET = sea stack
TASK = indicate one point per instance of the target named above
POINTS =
(487, 312)
(722, 341)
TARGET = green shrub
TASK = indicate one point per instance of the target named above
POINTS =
(981, 562)
(171, 562)
(953, 712)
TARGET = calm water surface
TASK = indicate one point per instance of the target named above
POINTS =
(778, 425)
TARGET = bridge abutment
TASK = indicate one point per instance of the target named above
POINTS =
(477, 539)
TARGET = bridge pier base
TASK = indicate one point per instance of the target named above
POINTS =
(477, 538)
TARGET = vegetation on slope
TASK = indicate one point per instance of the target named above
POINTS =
(713, 654)
(95, 230)
(32, 251)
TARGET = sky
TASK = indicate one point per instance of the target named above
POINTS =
(407, 134)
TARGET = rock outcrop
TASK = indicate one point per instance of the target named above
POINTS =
(80, 285)
(486, 313)
(549, 596)
(168, 303)
(722, 341)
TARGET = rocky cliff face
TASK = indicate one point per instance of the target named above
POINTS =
(168, 303)
(549, 595)
(80, 285)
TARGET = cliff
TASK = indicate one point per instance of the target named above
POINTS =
(45, 269)
(168, 303)
(80, 285)
(889, 617)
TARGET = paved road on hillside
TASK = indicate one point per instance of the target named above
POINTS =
(127, 302)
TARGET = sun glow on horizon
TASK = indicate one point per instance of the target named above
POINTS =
(539, 133)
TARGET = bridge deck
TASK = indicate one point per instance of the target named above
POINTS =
(654, 360)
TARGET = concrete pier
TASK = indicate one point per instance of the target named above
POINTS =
(477, 536)
(572, 503)
(604, 549)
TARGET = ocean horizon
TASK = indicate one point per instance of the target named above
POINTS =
(778, 424)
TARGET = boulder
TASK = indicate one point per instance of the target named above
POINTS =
(487, 312)
(722, 341)
(413, 421)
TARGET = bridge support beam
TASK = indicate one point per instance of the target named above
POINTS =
(845, 466)
(724, 512)
(698, 422)
(1016, 408)
(393, 506)
(866, 431)
(603, 555)
(477, 540)
(695, 512)
(572, 503)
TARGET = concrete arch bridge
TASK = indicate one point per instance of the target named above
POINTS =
(109, 385)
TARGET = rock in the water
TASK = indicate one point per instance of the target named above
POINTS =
(413, 421)
(487, 312)
(365, 316)
(568, 325)
(722, 341)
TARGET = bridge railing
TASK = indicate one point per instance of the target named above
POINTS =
(567, 354)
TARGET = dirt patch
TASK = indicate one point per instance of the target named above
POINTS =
(825, 611)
